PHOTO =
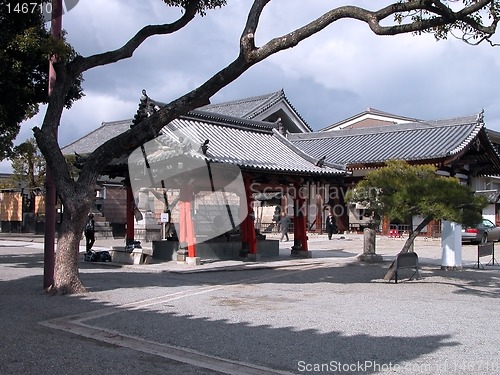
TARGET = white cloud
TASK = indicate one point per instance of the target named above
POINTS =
(5, 166)
(88, 114)
(85, 115)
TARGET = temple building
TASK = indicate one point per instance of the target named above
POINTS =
(216, 179)
(460, 147)
(213, 175)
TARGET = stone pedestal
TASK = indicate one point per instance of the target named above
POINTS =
(253, 257)
(119, 254)
(370, 258)
(193, 261)
(141, 256)
(147, 228)
(299, 253)
(182, 254)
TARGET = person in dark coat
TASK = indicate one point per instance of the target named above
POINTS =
(89, 232)
(331, 226)
(284, 224)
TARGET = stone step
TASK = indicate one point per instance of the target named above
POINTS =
(104, 232)
(102, 226)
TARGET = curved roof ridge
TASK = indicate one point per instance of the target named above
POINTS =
(251, 107)
(245, 112)
(90, 141)
(304, 154)
(404, 127)
(412, 141)
(297, 112)
(249, 148)
(226, 120)
(473, 134)
(269, 101)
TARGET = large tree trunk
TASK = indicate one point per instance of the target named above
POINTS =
(66, 273)
(407, 246)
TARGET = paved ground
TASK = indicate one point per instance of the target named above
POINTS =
(328, 314)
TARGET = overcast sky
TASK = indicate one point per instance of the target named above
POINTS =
(329, 77)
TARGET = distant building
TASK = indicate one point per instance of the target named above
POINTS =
(460, 147)
(370, 118)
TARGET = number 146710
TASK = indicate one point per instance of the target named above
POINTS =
(24, 8)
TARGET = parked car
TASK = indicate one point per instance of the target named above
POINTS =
(484, 232)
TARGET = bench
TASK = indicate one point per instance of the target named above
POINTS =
(407, 260)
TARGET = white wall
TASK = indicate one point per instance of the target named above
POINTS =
(489, 212)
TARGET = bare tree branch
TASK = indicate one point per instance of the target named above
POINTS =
(82, 64)
(247, 42)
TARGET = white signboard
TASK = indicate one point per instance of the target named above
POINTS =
(165, 217)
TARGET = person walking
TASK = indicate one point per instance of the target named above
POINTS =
(284, 224)
(331, 227)
(89, 232)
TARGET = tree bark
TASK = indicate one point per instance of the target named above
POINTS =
(66, 274)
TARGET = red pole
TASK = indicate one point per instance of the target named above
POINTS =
(299, 222)
(186, 224)
(190, 235)
(50, 188)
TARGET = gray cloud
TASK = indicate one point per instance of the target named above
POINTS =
(334, 75)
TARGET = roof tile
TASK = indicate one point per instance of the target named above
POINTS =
(411, 141)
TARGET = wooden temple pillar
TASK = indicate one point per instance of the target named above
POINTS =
(386, 225)
(130, 231)
(319, 212)
(341, 211)
(187, 238)
(284, 204)
(247, 227)
(299, 248)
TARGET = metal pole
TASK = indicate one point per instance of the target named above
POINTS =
(50, 188)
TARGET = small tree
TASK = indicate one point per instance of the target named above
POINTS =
(28, 165)
(401, 191)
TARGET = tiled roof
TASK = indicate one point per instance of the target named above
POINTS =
(245, 108)
(412, 141)
(491, 195)
(250, 108)
(248, 144)
(97, 137)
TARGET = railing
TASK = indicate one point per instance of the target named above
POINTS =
(272, 227)
(432, 231)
